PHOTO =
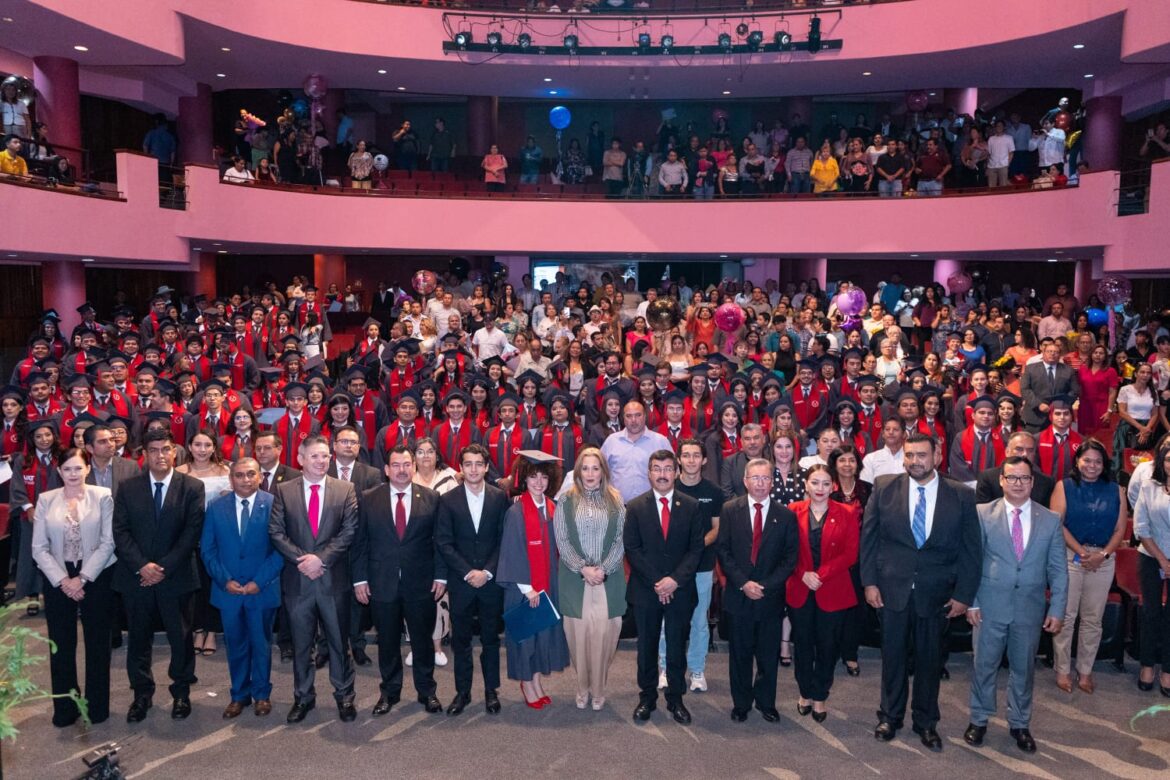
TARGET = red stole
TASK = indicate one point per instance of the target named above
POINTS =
(482, 418)
(450, 446)
(698, 424)
(365, 411)
(11, 443)
(538, 542)
(24, 368)
(967, 445)
(653, 413)
(398, 381)
(504, 458)
(254, 344)
(728, 448)
(684, 432)
(236, 360)
(848, 389)
(304, 309)
(807, 408)
(872, 423)
(601, 387)
(1053, 462)
(233, 448)
(36, 480)
(202, 367)
(858, 439)
(553, 442)
(67, 418)
(116, 404)
(364, 346)
(534, 419)
(52, 406)
(267, 398)
(291, 440)
(222, 418)
(394, 436)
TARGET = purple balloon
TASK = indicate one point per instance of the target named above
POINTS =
(851, 323)
(1114, 290)
(315, 86)
(851, 302)
(959, 283)
(917, 100)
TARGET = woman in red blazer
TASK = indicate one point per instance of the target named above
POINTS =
(828, 547)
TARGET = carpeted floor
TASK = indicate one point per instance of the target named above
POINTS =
(1080, 736)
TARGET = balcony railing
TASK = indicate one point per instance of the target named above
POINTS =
(633, 7)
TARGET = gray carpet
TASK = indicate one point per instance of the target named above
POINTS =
(1080, 736)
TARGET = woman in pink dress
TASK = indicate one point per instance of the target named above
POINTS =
(1099, 383)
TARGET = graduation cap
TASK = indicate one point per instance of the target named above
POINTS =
(79, 380)
(43, 422)
(412, 396)
(810, 363)
(450, 354)
(645, 372)
(214, 383)
(905, 391)
(456, 393)
(86, 308)
(39, 340)
(1008, 396)
(114, 420)
(271, 373)
(183, 376)
(165, 386)
(148, 369)
(167, 323)
(717, 359)
(557, 365)
(847, 403)
(1060, 402)
(240, 314)
(613, 392)
(370, 321)
(356, 371)
(528, 375)
(316, 380)
(739, 379)
(121, 311)
(756, 369)
(853, 352)
(289, 354)
(556, 396)
(12, 391)
(163, 417)
(409, 345)
(650, 359)
(36, 376)
(296, 387)
(315, 363)
(495, 360)
(508, 398)
(85, 420)
(190, 317)
(294, 338)
(675, 396)
(50, 315)
(219, 369)
(777, 406)
(866, 380)
(733, 404)
(538, 456)
(699, 369)
(151, 347)
(982, 401)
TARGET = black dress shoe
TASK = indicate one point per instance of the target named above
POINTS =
(820, 717)
(885, 731)
(930, 739)
(383, 706)
(138, 709)
(1024, 740)
(803, 709)
(346, 711)
(944, 674)
(299, 710)
(1145, 686)
(360, 657)
(491, 702)
(1165, 691)
(286, 654)
(181, 708)
(974, 734)
(459, 703)
(853, 671)
(431, 703)
(643, 710)
(679, 711)
(738, 715)
(322, 660)
(770, 714)
(63, 723)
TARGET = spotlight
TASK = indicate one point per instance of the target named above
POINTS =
(571, 42)
(814, 35)
(783, 40)
(524, 41)
(667, 42)
(755, 40)
(644, 40)
(741, 29)
(725, 41)
(463, 39)
(494, 40)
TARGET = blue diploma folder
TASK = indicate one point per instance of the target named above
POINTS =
(524, 622)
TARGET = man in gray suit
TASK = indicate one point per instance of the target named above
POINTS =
(106, 469)
(313, 521)
(1041, 382)
(1023, 556)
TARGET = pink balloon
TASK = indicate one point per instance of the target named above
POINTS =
(959, 283)
(851, 302)
(316, 86)
(424, 282)
(1114, 290)
(917, 100)
(729, 317)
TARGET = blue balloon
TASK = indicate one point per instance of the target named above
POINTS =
(1097, 317)
(559, 117)
(301, 108)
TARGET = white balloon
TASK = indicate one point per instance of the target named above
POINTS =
(381, 162)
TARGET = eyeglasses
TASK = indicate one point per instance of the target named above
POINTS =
(761, 479)
(1017, 479)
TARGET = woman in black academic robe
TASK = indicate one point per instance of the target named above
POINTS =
(528, 565)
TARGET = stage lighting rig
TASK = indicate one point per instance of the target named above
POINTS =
(814, 35)
(463, 39)
(725, 41)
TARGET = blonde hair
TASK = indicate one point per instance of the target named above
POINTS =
(609, 495)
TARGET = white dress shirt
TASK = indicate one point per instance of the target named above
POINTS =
(475, 505)
(764, 505)
(320, 497)
(880, 462)
(658, 502)
(240, 509)
(931, 500)
(166, 484)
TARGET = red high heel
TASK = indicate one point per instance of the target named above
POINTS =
(545, 701)
(536, 705)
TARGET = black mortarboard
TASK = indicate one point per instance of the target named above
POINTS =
(296, 387)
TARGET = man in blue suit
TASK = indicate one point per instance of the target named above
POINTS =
(245, 584)
(1023, 556)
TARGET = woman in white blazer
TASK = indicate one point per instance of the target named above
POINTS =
(73, 546)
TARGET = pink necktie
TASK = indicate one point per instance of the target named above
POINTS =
(314, 508)
(1017, 534)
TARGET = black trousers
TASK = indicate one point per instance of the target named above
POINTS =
(753, 641)
(488, 604)
(315, 606)
(419, 615)
(854, 619)
(61, 613)
(145, 606)
(1155, 639)
(650, 619)
(905, 631)
(816, 640)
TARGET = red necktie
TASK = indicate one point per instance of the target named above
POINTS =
(665, 517)
(400, 517)
(757, 531)
(314, 508)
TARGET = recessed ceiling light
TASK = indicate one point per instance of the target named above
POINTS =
(932, 94)
(1059, 252)
(381, 71)
(221, 252)
(225, 48)
(1053, 260)
(547, 79)
(723, 256)
(87, 259)
(866, 73)
(552, 92)
(8, 19)
(216, 243)
(402, 89)
(196, 248)
(79, 47)
(1078, 45)
(221, 75)
(1088, 75)
(727, 92)
(914, 255)
(12, 254)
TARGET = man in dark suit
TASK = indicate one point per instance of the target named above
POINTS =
(313, 522)
(663, 536)
(245, 585)
(347, 446)
(467, 535)
(1041, 382)
(757, 546)
(921, 552)
(397, 572)
(266, 448)
(751, 437)
(1021, 444)
(611, 377)
(158, 517)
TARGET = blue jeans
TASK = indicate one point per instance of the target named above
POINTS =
(705, 192)
(700, 630)
(930, 188)
(889, 189)
(800, 183)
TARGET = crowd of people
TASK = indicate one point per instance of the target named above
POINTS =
(494, 456)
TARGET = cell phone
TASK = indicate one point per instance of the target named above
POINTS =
(1077, 558)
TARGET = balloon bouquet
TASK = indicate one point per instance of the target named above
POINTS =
(559, 117)
(1114, 291)
(315, 87)
(851, 303)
